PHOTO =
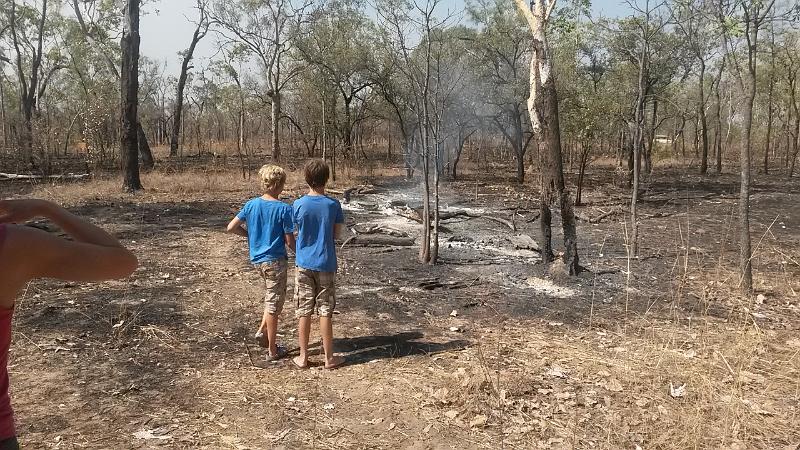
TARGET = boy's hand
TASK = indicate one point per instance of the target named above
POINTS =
(20, 211)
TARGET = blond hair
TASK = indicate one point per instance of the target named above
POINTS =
(272, 177)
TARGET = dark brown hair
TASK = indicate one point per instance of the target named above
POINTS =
(317, 172)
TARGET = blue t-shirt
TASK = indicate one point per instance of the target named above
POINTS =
(314, 219)
(267, 221)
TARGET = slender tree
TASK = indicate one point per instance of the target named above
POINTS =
(691, 19)
(33, 76)
(754, 14)
(268, 29)
(200, 31)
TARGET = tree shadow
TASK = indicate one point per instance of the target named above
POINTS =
(365, 349)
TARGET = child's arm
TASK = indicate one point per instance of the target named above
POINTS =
(93, 255)
(338, 231)
(235, 226)
(289, 239)
(289, 231)
(338, 227)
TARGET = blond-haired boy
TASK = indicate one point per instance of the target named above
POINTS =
(267, 224)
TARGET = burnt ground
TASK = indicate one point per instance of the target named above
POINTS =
(487, 349)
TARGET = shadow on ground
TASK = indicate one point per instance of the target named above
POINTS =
(365, 349)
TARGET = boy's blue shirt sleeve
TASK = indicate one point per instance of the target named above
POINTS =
(243, 212)
(295, 208)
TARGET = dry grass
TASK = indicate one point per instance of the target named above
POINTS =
(527, 383)
(189, 183)
(590, 388)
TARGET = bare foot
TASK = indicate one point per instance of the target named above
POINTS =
(335, 362)
(279, 352)
(300, 363)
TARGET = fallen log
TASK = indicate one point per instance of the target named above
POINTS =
(434, 283)
(416, 216)
(508, 223)
(447, 215)
(379, 240)
(66, 176)
(355, 190)
(533, 217)
(598, 219)
(524, 242)
(378, 229)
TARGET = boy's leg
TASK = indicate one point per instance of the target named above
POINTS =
(262, 329)
(271, 322)
(261, 335)
(304, 294)
(303, 334)
(274, 274)
(326, 304)
(274, 308)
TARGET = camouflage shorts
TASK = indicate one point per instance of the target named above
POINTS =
(314, 292)
(274, 275)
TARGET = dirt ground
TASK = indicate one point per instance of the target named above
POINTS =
(486, 350)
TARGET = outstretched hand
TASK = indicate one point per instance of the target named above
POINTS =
(20, 211)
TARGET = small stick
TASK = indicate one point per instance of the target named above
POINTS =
(250, 356)
(733, 374)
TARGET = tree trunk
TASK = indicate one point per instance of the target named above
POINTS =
(178, 114)
(519, 147)
(648, 156)
(462, 139)
(630, 143)
(745, 263)
(543, 110)
(795, 142)
(582, 164)
(347, 132)
(436, 176)
(129, 81)
(638, 141)
(3, 114)
(770, 107)
(718, 118)
(456, 159)
(276, 115)
(701, 111)
(144, 148)
(425, 248)
(324, 132)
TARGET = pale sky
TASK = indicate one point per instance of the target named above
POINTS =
(167, 27)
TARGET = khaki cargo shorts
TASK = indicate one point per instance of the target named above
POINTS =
(314, 292)
(274, 274)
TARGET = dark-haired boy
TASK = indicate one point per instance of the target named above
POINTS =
(318, 221)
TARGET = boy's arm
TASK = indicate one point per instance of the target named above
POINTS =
(289, 239)
(338, 227)
(289, 231)
(338, 231)
(235, 227)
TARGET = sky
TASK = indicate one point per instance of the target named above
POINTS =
(167, 27)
